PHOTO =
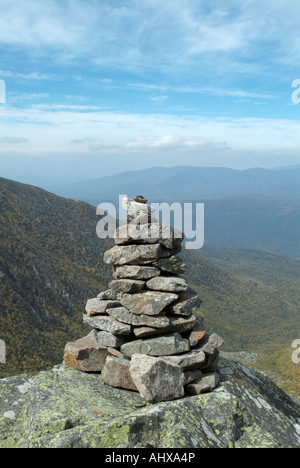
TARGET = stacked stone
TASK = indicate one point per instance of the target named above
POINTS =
(145, 335)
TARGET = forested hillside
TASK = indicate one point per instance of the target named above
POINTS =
(252, 298)
(50, 263)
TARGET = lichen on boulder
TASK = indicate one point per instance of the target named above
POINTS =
(65, 408)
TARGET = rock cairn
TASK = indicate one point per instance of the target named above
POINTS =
(145, 335)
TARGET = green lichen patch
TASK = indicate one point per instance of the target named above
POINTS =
(12, 400)
(65, 408)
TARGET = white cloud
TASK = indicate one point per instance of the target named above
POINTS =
(149, 86)
(153, 34)
(52, 129)
(27, 76)
(25, 97)
(214, 91)
(159, 99)
(13, 140)
(66, 107)
(235, 49)
(174, 143)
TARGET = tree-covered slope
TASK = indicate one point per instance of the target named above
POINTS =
(254, 221)
(252, 298)
(50, 263)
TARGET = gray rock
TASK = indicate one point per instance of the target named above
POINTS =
(210, 344)
(115, 353)
(155, 379)
(86, 354)
(172, 264)
(110, 295)
(98, 307)
(189, 361)
(212, 362)
(150, 233)
(134, 254)
(176, 324)
(127, 285)
(142, 218)
(191, 376)
(136, 272)
(65, 408)
(146, 332)
(105, 338)
(136, 206)
(198, 333)
(116, 373)
(12, 400)
(167, 283)
(187, 303)
(182, 324)
(165, 345)
(108, 324)
(137, 211)
(140, 199)
(147, 302)
(205, 384)
(123, 315)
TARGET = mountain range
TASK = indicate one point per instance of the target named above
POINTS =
(51, 262)
(188, 184)
(253, 208)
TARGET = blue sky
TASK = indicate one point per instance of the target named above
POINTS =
(95, 87)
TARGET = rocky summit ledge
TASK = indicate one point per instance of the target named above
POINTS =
(65, 408)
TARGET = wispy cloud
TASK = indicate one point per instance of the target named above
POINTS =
(13, 140)
(149, 78)
(55, 127)
(28, 76)
(16, 97)
(159, 99)
(151, 34)
(65, 107)
(215, 91)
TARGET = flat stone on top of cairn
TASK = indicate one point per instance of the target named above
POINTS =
(145, 336)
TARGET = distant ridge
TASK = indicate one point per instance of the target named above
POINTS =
(185, 183)
(256, 207)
